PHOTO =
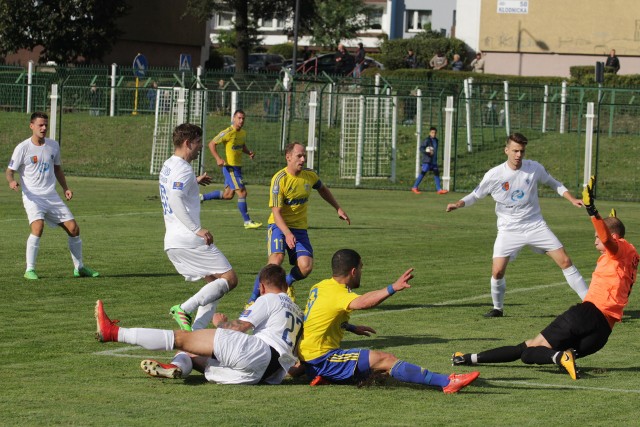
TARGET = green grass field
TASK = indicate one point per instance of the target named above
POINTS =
(54, 372)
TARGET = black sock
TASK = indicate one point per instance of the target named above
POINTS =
(538, 355)
(508, 353)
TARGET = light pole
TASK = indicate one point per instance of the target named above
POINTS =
(296, 19)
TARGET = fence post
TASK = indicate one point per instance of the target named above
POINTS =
(198, 76)
(448, 131)
(611, 111)
(588, 146)
(377, 84)
(467, 96)
(394, 138)
(53, 117)
(311, 135)
(544, 108)
(563, 105)
(418, 129)
(507, 121)
(360, 149)
(29, 88)
(182, 95)
(112, 104)
(234, 102)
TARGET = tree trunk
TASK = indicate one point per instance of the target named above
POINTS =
(242, 26)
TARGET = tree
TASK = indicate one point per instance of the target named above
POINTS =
(337, 20)
(70, 31)
(247, 14)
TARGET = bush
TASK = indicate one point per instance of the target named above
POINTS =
(425, 47)
(284, 49)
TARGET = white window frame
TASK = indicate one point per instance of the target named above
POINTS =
(230, 17)
(413, 18)
(374, 30)
(276, 23)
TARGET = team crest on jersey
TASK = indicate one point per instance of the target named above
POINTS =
(178, 185)
(505, 186)
(528, 181)
(34, 159)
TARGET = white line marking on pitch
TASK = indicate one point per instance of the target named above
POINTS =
(577, 387)
(455, 301)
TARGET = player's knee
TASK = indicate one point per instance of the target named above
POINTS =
(231, 277)
(305, 266)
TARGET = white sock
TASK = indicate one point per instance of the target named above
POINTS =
(204, 316)
(575, 280)
(474, 358)
(183, 361)
(151, 339)
(498, 288)
(209, 293)
(33, 244)
(75, 247)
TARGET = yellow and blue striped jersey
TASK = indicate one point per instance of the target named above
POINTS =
(233, 140)
(291, 194)
(327, 308)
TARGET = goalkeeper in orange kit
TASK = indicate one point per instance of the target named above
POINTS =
(584, 328)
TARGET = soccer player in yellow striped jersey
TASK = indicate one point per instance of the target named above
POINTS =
(233, 139)
(326, 318)
(289, 196)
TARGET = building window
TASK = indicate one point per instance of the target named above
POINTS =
(418, 20)
(271, 23)
(374, 19)
(224, 19)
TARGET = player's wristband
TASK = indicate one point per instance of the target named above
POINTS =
(347, 326)
(391, 290)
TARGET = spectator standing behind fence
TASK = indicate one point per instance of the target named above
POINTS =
(344, 61)
(429, 154)
(439, 61)
(457, 64)
(613, 61)
(94, 100)
(152, 93)
(359, 61)
(410, 60)
(478, 63)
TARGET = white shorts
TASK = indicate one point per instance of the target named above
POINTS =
(197, 263)
(541, 240)
(240, 359)
(51, 209)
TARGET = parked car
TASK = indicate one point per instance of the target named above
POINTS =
(229, 63)
(265, 62)
(327, 63)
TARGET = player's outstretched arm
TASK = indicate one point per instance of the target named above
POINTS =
(373, 298)
(221, 321)
(457, 205)
(203, 179)
(601, 228)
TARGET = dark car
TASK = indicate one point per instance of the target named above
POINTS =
(265, 62)
(327, 63)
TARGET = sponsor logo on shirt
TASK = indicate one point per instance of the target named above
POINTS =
(292, 202)
(178, 185)
(517, 195)
(505, 186)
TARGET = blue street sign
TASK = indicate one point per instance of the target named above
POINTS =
(185, 62)
(140, 65)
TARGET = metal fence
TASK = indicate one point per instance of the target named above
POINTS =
(320, 112)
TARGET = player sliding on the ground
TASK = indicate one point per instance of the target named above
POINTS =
(584, 328)
(226, 355)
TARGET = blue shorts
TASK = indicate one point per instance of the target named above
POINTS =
(277, 243)
(340, 366)
(233, 177)
(426, 167)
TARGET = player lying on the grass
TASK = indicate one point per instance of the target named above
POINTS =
(584, 328)
(226, 355)
(326, 318)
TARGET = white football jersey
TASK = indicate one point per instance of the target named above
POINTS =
(515, 193)
(35, 165)
(277, 321)
(177, 175)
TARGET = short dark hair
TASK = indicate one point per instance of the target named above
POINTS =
(433, 128)
(343, 261)
(272, 275)
(289, 147)
(239, 111)
(186, 131)
(360, 44)
(615, 226)
(39, 115)
(518, 138)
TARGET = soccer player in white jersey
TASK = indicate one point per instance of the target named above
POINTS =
(514, 187)
(238, 358)
(37, 160)
(188, 245)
